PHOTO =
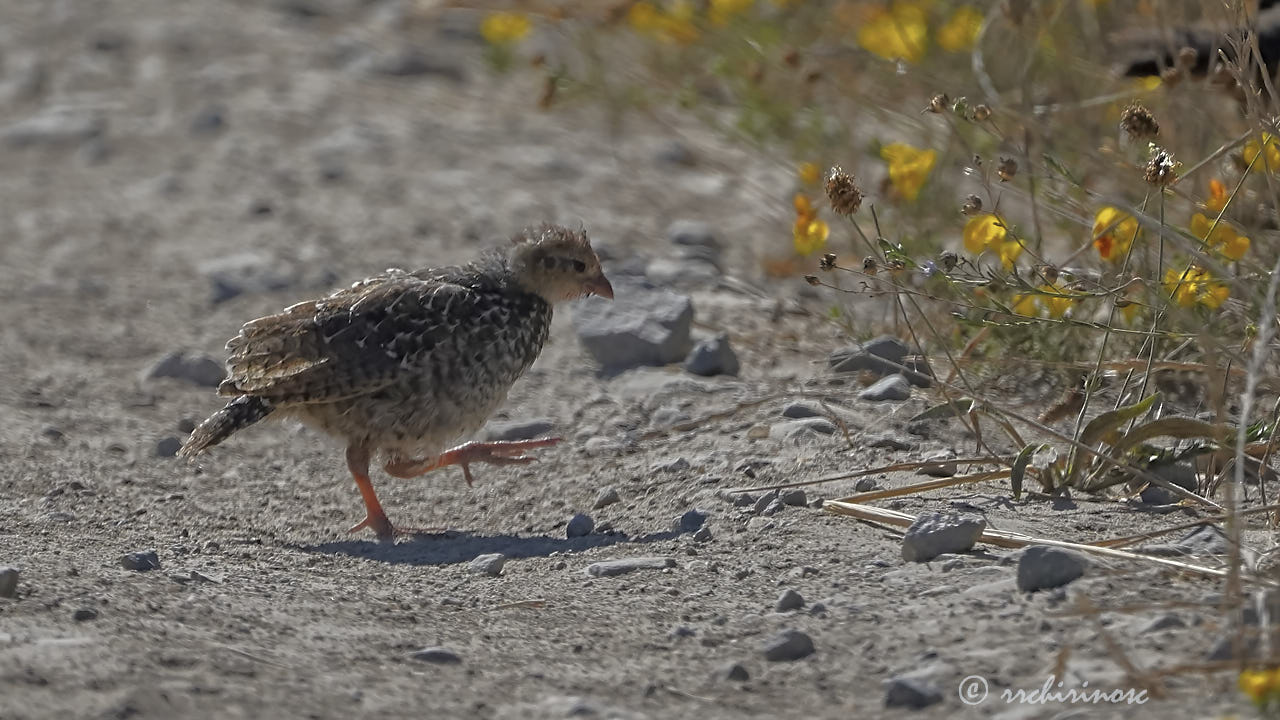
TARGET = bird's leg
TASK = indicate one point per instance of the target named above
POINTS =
(374, 519)
(507, 452)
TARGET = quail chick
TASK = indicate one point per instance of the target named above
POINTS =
(402, 365)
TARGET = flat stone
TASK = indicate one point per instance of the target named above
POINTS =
(787, 646)
(488, 564)
(712, 357)
(140, 561)
(803, 429)
(935, 534)
(506, 430)
(892, 388)
(622, 566)
(194, 368)
(436, 655)
(794, 497)
(911, 693)
(9, 577)
(1044, 567)
(54, 127)
(579, 525)
(690, 521)
(798, 410)
(939, 464)
(168, 446)
(882, 355)
(84, 614)
(1204, 540)
(671, 465)
(643, 325)
(247, 273)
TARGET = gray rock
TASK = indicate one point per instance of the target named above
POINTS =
(672, 465)
(744, 500)
(194, 368)
(940, 464)
(703, 534)
(1163, 622)
(84, 614)
(682, 631)
(764, 501)
(920, 373)
(598, 446)
(55, 127)
(692, 233)
(667, 416)
(579, 525)
(247, 273)
(607, 497)
(675, 153)
(622, 566)
(691, 521)
(882, 355)
(168, 446)
(887, 442)
(488, 564)
(789, 600)
(1204, 540)
(503, 430)
(436, 655)
(865, 484)
(794, 497)
(410, 63)
(932, 535)
(141, 560)
(911, 693)
(1044, 567)
(893, 388)
(803, 429)
(1181, 474)
(641, 326)
(682, 273)
(712, 357)
(734, 672)
(9, 577)
(788, 645)
(798, 410)
(773, 508)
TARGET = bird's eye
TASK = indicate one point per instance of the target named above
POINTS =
(548, 262)
(579, 266)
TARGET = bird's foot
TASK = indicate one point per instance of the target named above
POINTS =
(380, 526)
(503, 452)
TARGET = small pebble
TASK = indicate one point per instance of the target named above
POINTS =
(621, 566)
(937, 533)
(580, 525)
(703, 534)
(773, 508)
(488, 564)
(141, 561)
(865, 484)
(788, 645)
(682, 631)
(887, 442)
(894, 388)
(691, 521)
(436, 655)
(9, 581)
(910, 693)
(735, 672)
(1043, 567)
(764, 500)
(672, 465)
(794, 497)
(84, 614)
(789, 600)
(608, 496)
(168, 446)
(797, 410)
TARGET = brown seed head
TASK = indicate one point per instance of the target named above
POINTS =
(1187, 57)
(972, 205)
(1161, 169)
(828, 261)
(843, 191)
(981, 113)
(812, 280)
(869, 265)
(948, 260)
(1138, 123)
(1007, 168)
(938, 104)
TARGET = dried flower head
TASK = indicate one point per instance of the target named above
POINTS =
(1171, 76)
(972, 205)
(938, 104)
(948, 260)
(1007, 168)
(1188, 57)
(843, 191)
(981, 113)
(812, 280)
(1049, 273)
(828, 261)
(869, 265)
(1138, 123)
(1161, 169)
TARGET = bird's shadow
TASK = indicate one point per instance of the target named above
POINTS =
(452, 547)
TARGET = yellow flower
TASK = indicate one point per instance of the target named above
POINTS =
(1113, 232)
(1259, 685)
(960, 32)
(1221, 237)
(1029, 303)
(988, 232)
(1195, 286)
(896, 32)
(1272, 158)
(809, 173)
(504, 28)
(909, 167)
(1218, 196)
(809, 233)
(672, 25)
(721, 11)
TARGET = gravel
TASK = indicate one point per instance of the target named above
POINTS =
(622, 566)
(938, 533)
(1043, 567)
(787, 646)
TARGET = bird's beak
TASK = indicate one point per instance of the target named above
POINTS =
(599, 285)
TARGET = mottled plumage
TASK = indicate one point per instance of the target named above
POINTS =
(406, 363)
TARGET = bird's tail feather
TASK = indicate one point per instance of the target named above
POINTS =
(237, 415)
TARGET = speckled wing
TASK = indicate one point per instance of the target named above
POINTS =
(351, 343)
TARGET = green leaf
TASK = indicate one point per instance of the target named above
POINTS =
(1103, 426)
(1175, 427)
(945, 410)
(1019, 469)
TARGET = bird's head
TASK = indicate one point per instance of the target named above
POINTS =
(557, 264)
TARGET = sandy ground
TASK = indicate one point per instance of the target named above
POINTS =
(144, 139)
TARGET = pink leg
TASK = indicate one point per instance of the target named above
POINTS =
(495, 453)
